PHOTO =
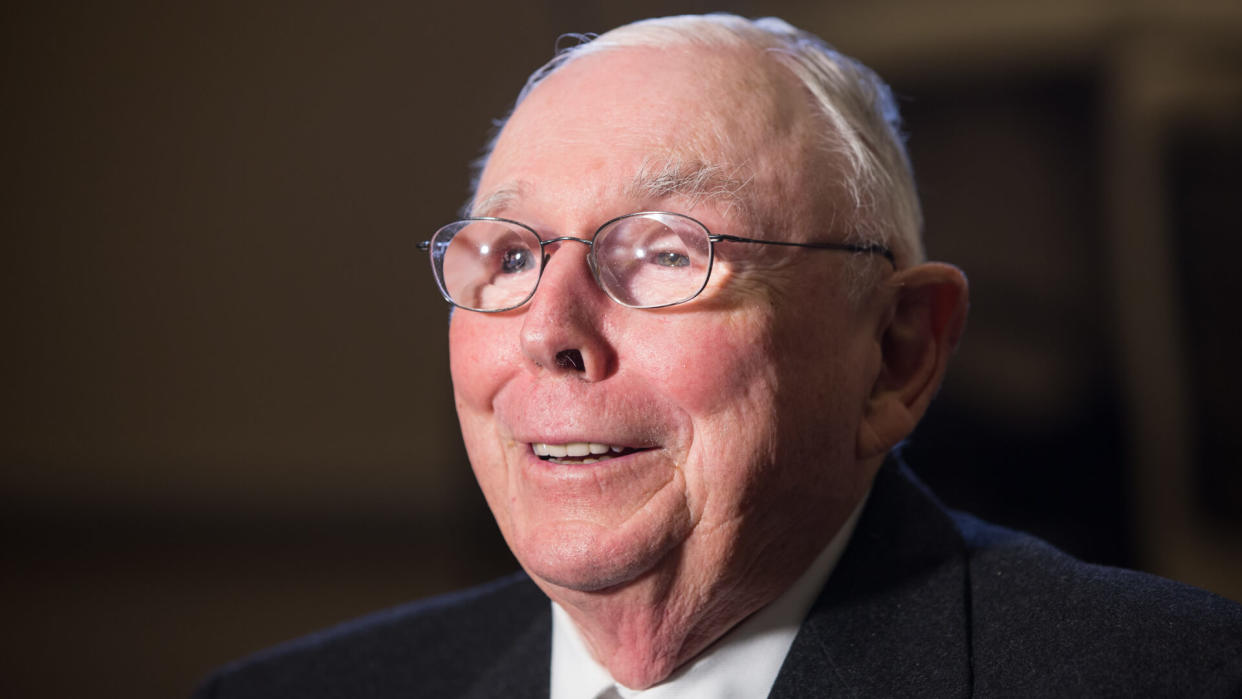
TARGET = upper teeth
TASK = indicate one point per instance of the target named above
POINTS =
(574, 449)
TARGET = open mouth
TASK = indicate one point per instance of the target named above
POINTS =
(580, 452)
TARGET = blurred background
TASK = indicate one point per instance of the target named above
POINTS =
(227, 417)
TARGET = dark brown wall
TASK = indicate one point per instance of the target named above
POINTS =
(227, 417)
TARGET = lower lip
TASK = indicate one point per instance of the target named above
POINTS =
(575, 462)
(586, 460)
(571, 484)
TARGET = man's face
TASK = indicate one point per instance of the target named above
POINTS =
(729, 423)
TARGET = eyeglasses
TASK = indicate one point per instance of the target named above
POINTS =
(650, 259)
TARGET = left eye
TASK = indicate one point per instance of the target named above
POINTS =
(671, 259)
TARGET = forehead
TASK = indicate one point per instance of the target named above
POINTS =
(637, 123)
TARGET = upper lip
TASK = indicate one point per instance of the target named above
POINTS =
(611, 438)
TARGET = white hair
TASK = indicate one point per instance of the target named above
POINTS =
(863, 127)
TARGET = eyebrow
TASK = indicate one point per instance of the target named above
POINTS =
(695, 180)
(498, 200)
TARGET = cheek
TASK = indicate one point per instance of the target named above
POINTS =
(724, 382)
(707, 368)
(483, 354)
(481, 362)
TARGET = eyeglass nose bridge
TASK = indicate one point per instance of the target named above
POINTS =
(543, 244)
(558, 239)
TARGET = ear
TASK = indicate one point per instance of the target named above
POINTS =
(927, 315)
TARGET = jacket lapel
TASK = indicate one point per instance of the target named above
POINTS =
(523, 671)
(893, 618)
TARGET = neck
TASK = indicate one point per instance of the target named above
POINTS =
(643, 632)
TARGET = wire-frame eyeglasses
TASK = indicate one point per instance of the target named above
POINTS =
(649, 259)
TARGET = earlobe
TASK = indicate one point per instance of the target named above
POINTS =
(924, 325)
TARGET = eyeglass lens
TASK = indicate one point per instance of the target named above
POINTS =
(642, 260)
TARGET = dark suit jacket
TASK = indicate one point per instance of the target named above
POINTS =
(923, 603)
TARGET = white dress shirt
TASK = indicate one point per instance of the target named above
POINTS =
(742, 664)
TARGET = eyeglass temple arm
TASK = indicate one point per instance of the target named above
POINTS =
(868, 249)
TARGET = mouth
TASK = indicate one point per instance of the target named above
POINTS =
(576, 453)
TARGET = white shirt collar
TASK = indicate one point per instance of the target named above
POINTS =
(742, 663)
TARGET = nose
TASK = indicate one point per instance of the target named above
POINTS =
(562, 328)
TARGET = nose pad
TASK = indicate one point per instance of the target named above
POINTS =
(562, 328)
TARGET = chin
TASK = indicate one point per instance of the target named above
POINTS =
(588, 558)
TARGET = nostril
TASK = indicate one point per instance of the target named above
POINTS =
(570, 359)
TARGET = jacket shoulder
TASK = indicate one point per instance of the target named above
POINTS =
(1046, 623)
(434, 647)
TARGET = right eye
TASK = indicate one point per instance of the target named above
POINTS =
(516, 260)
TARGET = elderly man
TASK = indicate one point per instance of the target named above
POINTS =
(693, 318)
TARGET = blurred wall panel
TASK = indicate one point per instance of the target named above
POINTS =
(227, 416)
